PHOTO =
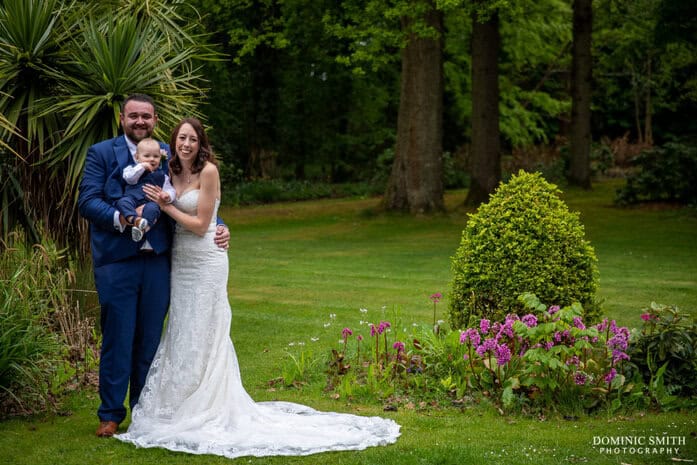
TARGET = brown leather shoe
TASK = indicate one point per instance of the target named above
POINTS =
(107, 429)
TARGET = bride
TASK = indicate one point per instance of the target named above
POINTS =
(193, 400)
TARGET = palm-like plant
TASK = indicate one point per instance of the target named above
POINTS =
(29, 54)
(114, 59)
(65, 68)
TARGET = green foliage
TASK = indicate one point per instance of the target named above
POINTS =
(666, 173)
(29, 350)
(644, 75)
(546, 360)
(276, 190)
(46, 346)
(664, 353)
(524, 239)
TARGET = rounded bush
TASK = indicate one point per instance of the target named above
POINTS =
(524, 239)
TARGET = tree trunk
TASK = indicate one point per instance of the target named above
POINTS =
(486, 146)
(416, 180)
(581, 70)
(648, 125)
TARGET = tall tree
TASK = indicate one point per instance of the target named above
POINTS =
(581, 72)
(486, 145)
(416, 181)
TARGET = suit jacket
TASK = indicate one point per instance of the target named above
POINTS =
(97, 194)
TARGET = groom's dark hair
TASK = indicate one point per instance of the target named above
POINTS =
(139, 98)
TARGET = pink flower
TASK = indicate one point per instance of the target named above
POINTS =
(399, 346)
(530, 320)
(610, 376)
(553, 309)
(474, 336)
(463, 337)
(436, 297)
(383, 326)
(580, 378)
(484, 326)
(578, 322)
(359, 337)
(646, 316)
(503, 354)
(373, 330)
(346, 332)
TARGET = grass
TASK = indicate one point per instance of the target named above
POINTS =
(292, 265)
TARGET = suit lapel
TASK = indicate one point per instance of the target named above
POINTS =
(121, 152)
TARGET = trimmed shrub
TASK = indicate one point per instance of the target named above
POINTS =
(524, 239)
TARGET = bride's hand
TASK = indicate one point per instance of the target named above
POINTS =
(152, 192)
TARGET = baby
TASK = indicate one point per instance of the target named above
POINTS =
(145, 171)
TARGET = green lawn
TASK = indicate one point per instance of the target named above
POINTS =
(292, 265)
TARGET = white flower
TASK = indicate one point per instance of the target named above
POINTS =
(327, 325)
(314, 339)
(364, 310)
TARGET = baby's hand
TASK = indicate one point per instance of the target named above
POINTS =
(147, 166)
(164, 196)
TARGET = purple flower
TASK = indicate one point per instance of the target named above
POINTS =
(573, 360)
(399, 346)
(580, 378)
(373, 330)
(436, 297)
(646, 316)
(553, 309)
(618, 355)
(474, 336)
(463, 337)
(506, 329)
(530, 320)
(578, 322)
(383, 326)
(359, 337)
(502, 353)
(488, 345)
(618, 341)
(610, 376)
(484, 326)
(602, 326)
(465, 357)
(346, 332)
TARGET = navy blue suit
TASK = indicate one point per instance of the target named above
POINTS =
(133, 286)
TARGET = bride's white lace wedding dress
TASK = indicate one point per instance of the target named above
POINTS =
(194, 401)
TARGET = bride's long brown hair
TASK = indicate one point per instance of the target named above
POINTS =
(205, 153)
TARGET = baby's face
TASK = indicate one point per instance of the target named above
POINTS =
(151, 157)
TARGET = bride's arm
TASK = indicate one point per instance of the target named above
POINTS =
(198, 224)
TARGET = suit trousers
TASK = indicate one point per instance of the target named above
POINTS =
(134, 298)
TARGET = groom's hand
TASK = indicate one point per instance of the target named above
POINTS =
(222, 236)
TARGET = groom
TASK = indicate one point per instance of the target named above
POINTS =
(132, 278)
